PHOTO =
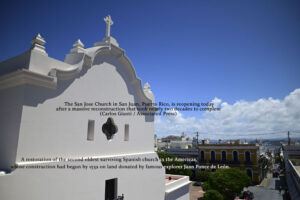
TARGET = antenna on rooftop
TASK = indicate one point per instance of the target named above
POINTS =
(197, 135)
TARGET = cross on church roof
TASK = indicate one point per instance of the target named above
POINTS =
(108, 22)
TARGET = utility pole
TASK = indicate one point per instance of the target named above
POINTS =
(289, 139)
(197, 135)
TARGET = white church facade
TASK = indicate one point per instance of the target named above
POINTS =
(65, 134)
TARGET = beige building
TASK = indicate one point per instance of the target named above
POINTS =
(244, 157)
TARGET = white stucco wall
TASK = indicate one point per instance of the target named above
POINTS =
(178, 188)
(181, 193)
(78, 184)
(11, 105)
(47, 132)
(32, 128)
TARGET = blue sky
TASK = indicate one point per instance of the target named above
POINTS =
(232, 51)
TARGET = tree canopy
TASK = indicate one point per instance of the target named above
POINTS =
(202, 175)
(169, 160)
(212, 195)
(228, 182)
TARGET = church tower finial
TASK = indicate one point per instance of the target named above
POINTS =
(148, 92)
(38, 44)
(147, 86)
(78, 47)
(108, 40)
(108, 22)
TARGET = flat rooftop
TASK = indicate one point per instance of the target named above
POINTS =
(174, 182)
(171, 178)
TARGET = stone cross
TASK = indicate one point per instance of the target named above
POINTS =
(108, 22)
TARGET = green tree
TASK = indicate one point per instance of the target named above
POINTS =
(212, 195)
(228, 182)
(202, 175)
(205, 186)
(278, 159)
(170, 160)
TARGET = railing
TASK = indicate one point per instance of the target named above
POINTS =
(248, 162)
(219, 162)
(214, 162)
(235, 162)
(224, 162)
(202, 161)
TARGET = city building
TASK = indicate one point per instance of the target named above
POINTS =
(234, 154)
(184, 142)
(64, 133)
(175, 142)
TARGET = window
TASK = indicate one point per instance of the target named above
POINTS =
(126, 132)
(202, 158)
(212, 156)
(109, 128)
(223, 155)
(91, 129)
(247, 156)
(235, 156)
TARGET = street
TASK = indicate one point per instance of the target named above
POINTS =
(270, 191)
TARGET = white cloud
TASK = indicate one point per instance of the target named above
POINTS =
(216, 102)
(264, 118)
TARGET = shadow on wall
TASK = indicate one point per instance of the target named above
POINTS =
(178, 193)
(36, 95)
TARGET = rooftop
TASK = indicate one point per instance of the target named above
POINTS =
(231, 144)
(173, 182)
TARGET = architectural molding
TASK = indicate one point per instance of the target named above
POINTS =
(131, 73)
(228, 147)
(24, 76)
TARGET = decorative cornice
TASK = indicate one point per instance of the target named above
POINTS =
(133, 79)
(24, 76)
(74, 70)
(224, 147)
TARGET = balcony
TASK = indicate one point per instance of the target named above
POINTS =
(213, 162)
(224, 162)
(248, 162)
(234, 162)
(202, 161)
